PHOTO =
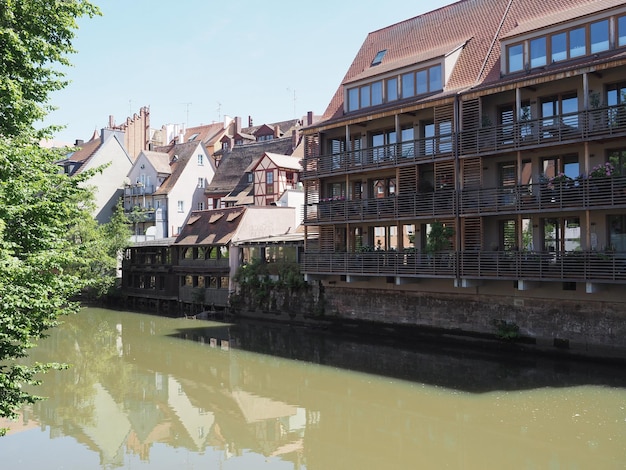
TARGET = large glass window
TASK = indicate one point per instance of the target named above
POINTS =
(599, 34)
(408, 85)
(365, 96)
(353, 99)
(538, 56)
(621, 31)
(422, 81)
(435, 78)
(577, 46)
(392, 89)
(559, 47)
(377, 93)
(515, 55)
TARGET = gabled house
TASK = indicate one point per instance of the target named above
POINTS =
(273, 174)
(165, 185)
(104, 150)
(232, 185)
(208, 253)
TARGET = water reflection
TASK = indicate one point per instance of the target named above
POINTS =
(150, 392)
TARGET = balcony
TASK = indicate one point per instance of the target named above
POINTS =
(138, 189)
(595, 193)
(598, 123)
(403, 206)
(385, 156)
(575, 266)
(382, 263)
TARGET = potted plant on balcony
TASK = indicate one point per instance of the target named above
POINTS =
(439, 239)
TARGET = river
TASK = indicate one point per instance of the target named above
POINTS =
(161, 393)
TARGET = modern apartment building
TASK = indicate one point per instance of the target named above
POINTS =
(477, 149)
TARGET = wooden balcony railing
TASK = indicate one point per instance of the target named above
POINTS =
(500, 265)
(574, 266)
(594, 193)
(384, 156)
(403, 206)
(598, 123)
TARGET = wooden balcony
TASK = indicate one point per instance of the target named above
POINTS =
(595, 193)
(595, 124)
(574, 266)
(381, 263)
(599, 123)
(385, 156)
(487, 265)
(440, 203)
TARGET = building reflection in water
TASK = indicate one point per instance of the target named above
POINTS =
(312, 400)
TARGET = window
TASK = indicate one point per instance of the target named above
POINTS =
(384, 91)
(250, 177)
(590, 38)
(617, 232)
(181, 206)
(567, 165)
(392, 89)
(621, 31)
(538, 52)
(269, 182)
(577, 46)
(515, 57)
(559, 47)
(200, 159)
(200, 182)
(599, 35)
(377, 93)
(201, 206)
(383, 145)
(408, 85)
(378, 58)
(558, 113)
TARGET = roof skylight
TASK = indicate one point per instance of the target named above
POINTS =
(379, 57)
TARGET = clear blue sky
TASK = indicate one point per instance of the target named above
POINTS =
(194, 61)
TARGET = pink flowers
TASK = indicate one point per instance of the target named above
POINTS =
(602, 170)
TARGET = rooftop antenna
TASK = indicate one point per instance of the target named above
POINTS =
(187, 119)
(294, 101)
(219, 111)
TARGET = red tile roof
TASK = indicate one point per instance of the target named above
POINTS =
(478, 25)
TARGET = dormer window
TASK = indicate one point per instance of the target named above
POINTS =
(582, 40)
(379, 58)
(405, 85)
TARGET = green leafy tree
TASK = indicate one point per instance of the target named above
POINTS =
(42, 267)
(35, 36)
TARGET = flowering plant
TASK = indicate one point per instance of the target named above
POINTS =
(332, 199)
(602, 170)
(558, 178)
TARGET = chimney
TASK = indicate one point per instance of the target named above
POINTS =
(277, 132)
(309, 118)
(250, 121)
(294, 138)
(79, 142)
(237, 125)
(111, 121)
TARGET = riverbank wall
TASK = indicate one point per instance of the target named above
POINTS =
(575, 327)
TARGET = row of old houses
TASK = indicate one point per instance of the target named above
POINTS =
(473, 154)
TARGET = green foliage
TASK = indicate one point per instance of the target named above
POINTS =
(42, 260)
(261, 276)
(439, 238)
(35, 35)
(506, 330)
